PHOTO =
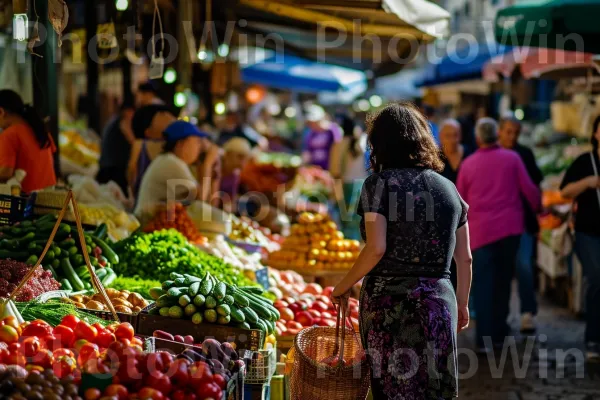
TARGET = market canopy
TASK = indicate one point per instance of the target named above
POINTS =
(570, 25)
(284, 71)
(536, 63)
(463, 64)
(377, 36)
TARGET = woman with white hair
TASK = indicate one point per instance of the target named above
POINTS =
(236, 153)
(453, 152)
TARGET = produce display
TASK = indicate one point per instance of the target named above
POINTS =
(119, 224)
(13, 272)
(141, 286)
(155, 255)
(26, 241)
(313, 307)
(314, 183)
(77, 149)
(122, 300)
(19, 384)
(268, 171)
(175, 218)
(245, 230)
(233, 255)
(211, 300)
(315, 243)
(53, 311)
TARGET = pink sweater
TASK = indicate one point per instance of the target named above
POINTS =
(493, 182)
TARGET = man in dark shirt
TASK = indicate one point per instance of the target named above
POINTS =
(236, 127)
(116, 148)
(508, 135)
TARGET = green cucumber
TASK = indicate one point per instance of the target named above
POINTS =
(184, 300)
(194, 289)
(65, 284)
(179, 282)
(249, 315)
(207, 285)
(197, 318)
(69, 272)
(223, 309)
(236, 314)
(223, 319)
(240, 299)
(244, 325)
(189, 279)
(190, 310)
(219, 290)
(210, 302)
(228, 299)
(175, 275)
(210, 316)
(199, 300)
(101, 231)
(156, 292)
(106, 250)
(166, 285)
(177, 292)
(164, 311)
(175, 312)
(109, 278)
(252, 289)
(165, 301)
(52, 271)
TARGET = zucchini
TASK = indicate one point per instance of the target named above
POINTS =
(219, 290)
(52, 271)
(65, 284)
(249, 315)
(194, 289)
(240, 299)
(109, 278)
(55, 264)
(244, 325)
(207, 285)
(177, 292)
(156, 292)
(223, 309)
(101, 273)
(261, 309)
(236, 314)
(69, 272)
(252, 289)
(66, 244)
(82, 272)
(228, 299)
(270, 326)
(101, 231)
(106, 250)
(165, 301)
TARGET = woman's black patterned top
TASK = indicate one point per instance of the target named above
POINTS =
(423, 211)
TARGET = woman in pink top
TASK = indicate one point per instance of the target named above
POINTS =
(493, 181)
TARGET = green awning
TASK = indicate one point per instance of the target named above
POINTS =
(572, 25)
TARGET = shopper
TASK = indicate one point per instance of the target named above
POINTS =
(147, 95)
(508, 134)
(347, 167)
(236, 153)
(25, 144)
(320, 138)
(148, 125)
(236, 127)
(117, 139)
(493, 182)
(582, 184)
(414, 222)
(169, 177)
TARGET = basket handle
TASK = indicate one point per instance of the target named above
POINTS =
(95, 281)
(340, 336)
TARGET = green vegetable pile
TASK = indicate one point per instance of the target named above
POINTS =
(141, 286)
(155, 255)
(210, 300)
(53, 311)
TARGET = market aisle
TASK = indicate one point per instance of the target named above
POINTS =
(564, 333)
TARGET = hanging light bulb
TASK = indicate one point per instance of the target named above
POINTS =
(220, 108)
(170, 76)
(122, 5)
(180, 99)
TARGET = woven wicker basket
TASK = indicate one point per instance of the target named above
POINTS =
(312, 379)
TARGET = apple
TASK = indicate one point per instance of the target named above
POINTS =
(320, 306)
(327, 322)
(304, 318)
(293, 325)
(304, 304)
(287, 314)
(314, 313)
(326, 314)
(327, 291)
(289, 300)
(279, 304)
(324, 299)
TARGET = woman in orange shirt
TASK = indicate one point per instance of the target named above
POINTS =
(24, 144)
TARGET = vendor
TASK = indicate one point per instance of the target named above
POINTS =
(321, 136)
(236, 153)
(169, 178)
(24, 144)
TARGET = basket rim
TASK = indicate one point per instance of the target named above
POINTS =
(305, 358)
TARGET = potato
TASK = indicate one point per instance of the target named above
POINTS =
(136, 310)
(121, 302)
(98, 297)
(94, 305)
(137, 300)
(78, 298)
(123, 309)
(79, 305)
(112, 293)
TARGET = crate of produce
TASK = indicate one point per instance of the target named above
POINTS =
(127, 304)
(16, 208)
(260, 366)
(244, 339)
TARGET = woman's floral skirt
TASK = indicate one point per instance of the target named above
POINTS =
(408, 327)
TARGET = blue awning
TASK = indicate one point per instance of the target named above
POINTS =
(465, 63)
(284, 71)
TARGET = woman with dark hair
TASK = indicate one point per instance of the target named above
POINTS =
(24, 144)
(414, 222)
(347, 166)
(582, 184)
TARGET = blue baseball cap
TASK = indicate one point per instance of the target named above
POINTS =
(181, 130)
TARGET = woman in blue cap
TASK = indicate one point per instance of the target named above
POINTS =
(169, 178)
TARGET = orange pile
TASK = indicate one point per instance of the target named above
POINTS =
(176, 217)
(315, 243)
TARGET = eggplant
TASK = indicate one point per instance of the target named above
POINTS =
(229, 350)
(218, 367)
(178, 338)
(185, 357)
(211, 348)
(194, 355)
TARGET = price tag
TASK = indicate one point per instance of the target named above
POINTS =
(106, 36)
(262, 277)
(157, 67)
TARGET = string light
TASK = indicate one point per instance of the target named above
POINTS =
(180, 99)
(220, 108)
(122, 5)
(375, 101)
(290, 112)
(170, 76)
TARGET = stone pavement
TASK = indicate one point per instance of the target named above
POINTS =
(549, 366)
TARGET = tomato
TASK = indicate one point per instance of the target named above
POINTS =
(43, 358)
(178, 395)
(200, 373)
(319, 306)
(209, 391)
(50, 342)
(118, 391)
(99, 327)
(8, 334)
(64, 334)
(286, 314)
(37, 328)
(78, 344)
(83, 330)
(70, 321)
(87, 351)
(137, 342)
(11, 321)
(30, 346)
(3, 356)
(191, 396)
(326, 315)
(179, 372)
(293, 325)
(63, 352)
(150, 394)
(124, 331)
(220, 381)
(92, 394)
(160, 382)
(279, 304)
(15, 354)
(105, 338)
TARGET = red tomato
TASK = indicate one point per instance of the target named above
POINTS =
(314, 313)
(291, 332)
(63, 352)
(326, 314)
(154, 363)
(327, 291)
(294, 325)
(124, 331)
(92, 394)
(99, 327)
(179, 372)
(43, 358)
(83, 330)
(220, 381)
(327, 322)
(30, 346)
(63, 366)
(118, 391)
(324, 300)
(105, 338)
(160, 382)
(70, 321)
(50, 342)
(295, 307)
(15, 355)
(286, 314)
(78, 344)
(3, 355)
(64, 334)
(289, 300)
(200, 373)
(304, 318)
(87, 351)
(178, 395)
(280, 304)
(191, 396)
(37, 328)
(209, 391)
(8, 334)
(150, 394)
(320, 306)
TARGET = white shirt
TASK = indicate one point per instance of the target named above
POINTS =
(167, 178)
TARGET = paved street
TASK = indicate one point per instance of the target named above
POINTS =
(547, 377)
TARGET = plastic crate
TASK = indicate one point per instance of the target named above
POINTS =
(16, 208)
(260, 366)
